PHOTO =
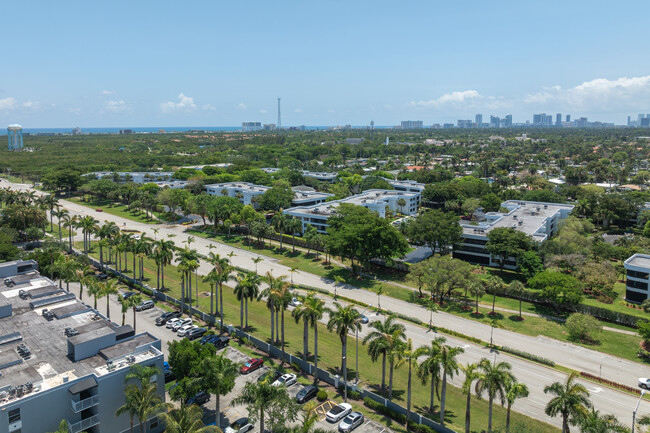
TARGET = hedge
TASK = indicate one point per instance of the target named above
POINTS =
(528, 356)
(610, 383)
(380, 408)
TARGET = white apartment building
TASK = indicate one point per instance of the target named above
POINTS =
(374, 199)
(245, 192)
(638, 278)
(538, 220)
(135, 176)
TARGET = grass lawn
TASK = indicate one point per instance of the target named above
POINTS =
(115, 209)
(330, 355)
(55, 232)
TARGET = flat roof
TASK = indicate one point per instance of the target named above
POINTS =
(239, 185)
(49, 365)
(640, 260)
(372, 196)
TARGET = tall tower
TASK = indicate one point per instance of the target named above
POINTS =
(279, 116)
(372, 130)
(15, 136)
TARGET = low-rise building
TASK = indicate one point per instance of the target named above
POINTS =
(62, 360)
(134, 176)
(375, 199)
(246, 192)
(320, 176)
(637, 278)
(536, 219)
(407, 185)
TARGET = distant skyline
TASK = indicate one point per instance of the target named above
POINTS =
(146, 63)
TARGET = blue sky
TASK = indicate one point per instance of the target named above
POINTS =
(218, 63)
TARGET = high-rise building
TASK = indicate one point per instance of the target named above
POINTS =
(568, 118)
(251, 126)
(495, 122)
(581, 122)
(539, 119)
(411, 124)
(558, 119)
(508, 121)
(645, 122)
(548, 120)
(629, 120)
(478, 119)
(464, 123)
(15, 136)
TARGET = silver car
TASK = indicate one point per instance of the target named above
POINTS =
(350, 422)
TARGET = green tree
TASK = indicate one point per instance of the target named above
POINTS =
(141, 398)
(471, 374)
(570, 401)
(517, 289)
(581, 327)
(278, 197)
(594, 422)
(185, 357)
(438, 230)
(492, 380)
(514, 390)
(381, 339)
(343, 320)
(265, 401)
(530, 264)
(557, 287)
(187, 419)
(429, 368)
(217, 376)
(409, 356)
(505, 242)
(449, 367)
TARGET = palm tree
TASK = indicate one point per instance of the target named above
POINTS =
(315, 309)
(63, 427)
(259, 397)
(344, 320)
(401, 203)
(247, 287)
(449, 367)
(279, 223)
(301, 312)
(134, 301)
(142, 399)
(60, 215)
(408, 356)
(493, 284)
(186, 419)
(81, 276)
(594, 422)
(130, 406)
(471, 374)
(95, 290)
(429, 368)
(218, 375)
(517, 289)
(124, 304)
(109, 288)
(256, 260)
(380, 339)
(492, 380)
(571, 401)
(284, 296)
(514, 391)
(223, 274)
(166, 252)
(69, 221)
(293, 226)
(271, 293)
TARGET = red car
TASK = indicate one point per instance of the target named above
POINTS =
(251, 365)
(99, 210)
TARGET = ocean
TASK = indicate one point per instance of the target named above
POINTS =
(155, 129)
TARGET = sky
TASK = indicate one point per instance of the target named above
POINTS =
(220, 63)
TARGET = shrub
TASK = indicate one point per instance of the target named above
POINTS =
(528, 356)
(354, 395)
(321, 395)
(610, 383)
(582, 327)
(380, 408)
(644, 331)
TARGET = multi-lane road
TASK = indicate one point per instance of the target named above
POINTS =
(534, 375)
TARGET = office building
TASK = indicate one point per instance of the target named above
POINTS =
(15, 136)
(269, 126)
(568, 118)
(538, 119)
(637, 278)
(411, 124)
(538, 220)
(407, 185)
(133, 176)
(495, 122)
(126, 131)
(629, 120)
(76, 131)
(548, 120)
(581, 122)
(558, 119)
(465, 123)
(62, 360)
(251, 126)
(645, 122)
(320, 176)
(246, 193)
(374, 199)
(508, 121)
(478, 120)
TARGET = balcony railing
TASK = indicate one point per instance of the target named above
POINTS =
(83, 424)
(78, 406)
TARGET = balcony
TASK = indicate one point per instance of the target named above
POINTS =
(78, 406)
(83, 424)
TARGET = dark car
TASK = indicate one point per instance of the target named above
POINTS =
(221, 342)
(306, 394)
(251, 365)
(270, 376)
(208, 339)
(127, 295)
(102, 276)
(195, 333)
(165, 317)
(201, 398)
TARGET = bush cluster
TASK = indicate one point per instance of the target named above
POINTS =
(528, 356)
(380, 408)
(321, 395)
(610, 383)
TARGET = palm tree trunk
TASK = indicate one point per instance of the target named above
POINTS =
(81, 291)
(390, 382)
(494, 298)
(316, 350)
(408, 400)
(490, 414)
(443, 396)
(272, 324)
(162, 275)
(305, 341)
(262, 420)
(519, 307)
(108, 311)
(508, 419)
(134, 318)
(433, 392)
(123, 318)
(283, 336)
(467, 411)
(157, 275)
(383, 372)
(277, 325)
(183, 293)
(241, 313)
(246, 313)
(134, 276)
(218, 410)
(221, 306)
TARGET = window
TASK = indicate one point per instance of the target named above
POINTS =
(14, 415)
(153, 423)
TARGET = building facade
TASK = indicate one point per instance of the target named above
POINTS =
(637, 283)
(62, 360)
(15, 136)
(246, 192)
(538, 220)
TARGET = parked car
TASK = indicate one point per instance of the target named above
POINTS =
(286, 380)
(270, 376)
(102, 276)
(295, 302)
(167, 316)
(99, 210)
(364, 319)
(180, 323)
(171, 322)
(144, 305)
(337, 413)
(195, 333)
(306, 394)
(183, 330)
(350, 422)
(251, 365)
(221, 342)
(239, 426)
(644, 382)
(127, 295)
(208, 339)
(200, 398)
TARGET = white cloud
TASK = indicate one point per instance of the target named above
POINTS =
(117, 106)
(458, 97)
(185, 103)
(298, 110)
(108, 92)
(263, 111)
(241, 106)
(7, 103)
(209, 107)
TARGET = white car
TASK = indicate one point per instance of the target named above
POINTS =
(350, 422)
(295, 302)
(337, 413)
(286, 380)
(182, 322)
(185, 329)
(644, 382)
(170, 323)
(242, 425)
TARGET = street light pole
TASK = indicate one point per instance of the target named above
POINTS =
(357, 338)
(635, 409)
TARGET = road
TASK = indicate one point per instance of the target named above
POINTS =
(534, 375)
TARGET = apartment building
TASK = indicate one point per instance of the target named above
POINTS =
(62, 360)
(637, 278)
(538, 220)
(246, 192)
